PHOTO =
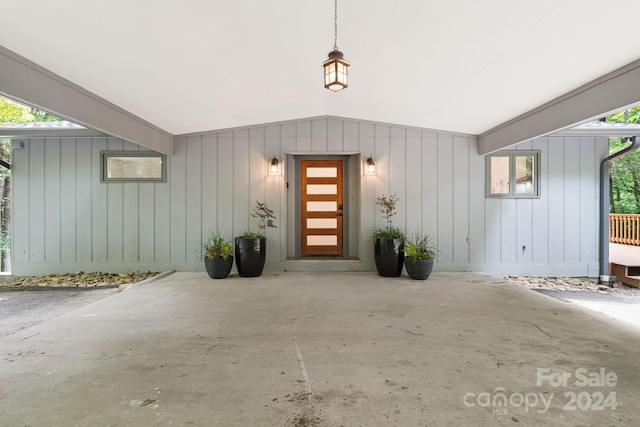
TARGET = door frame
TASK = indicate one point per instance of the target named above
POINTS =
(351, 197)
(336, 250)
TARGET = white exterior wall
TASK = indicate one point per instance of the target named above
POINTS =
(65, 220)
(560, 229)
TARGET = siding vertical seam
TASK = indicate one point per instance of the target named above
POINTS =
(233, 181)
(406, 180)
(360, 191)
(437, 198)
(11, 227)
(122, 220)
(44, 199)
(137, 251)
(282, 196)
(580, 239)
(483, 167)
(91, 174)
(548, 162)
(469, 180)
(75, 200)
(217, 189)
(107, 242)
(265, 156)
(60, 198)
(326, 135)
(186, 200)
(389, 171)
(597, 200)
(531, 239)
(139, 239)
(452, 179)
(90, 237)
(311, 134)
(29, 178)
(247, 161)
(122, 226)
(422, 195)
(170, 205)
(564, 205)
(501, 258)
(154, 196)
(201, 187)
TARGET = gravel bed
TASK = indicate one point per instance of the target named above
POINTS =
(75, 280)
(586, 284)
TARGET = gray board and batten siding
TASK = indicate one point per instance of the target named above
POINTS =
(66, 220)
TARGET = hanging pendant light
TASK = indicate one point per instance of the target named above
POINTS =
(336, 68)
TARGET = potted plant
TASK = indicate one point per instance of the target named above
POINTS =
(217, 255)
(251, 247)
(388, 241)
(419, 256)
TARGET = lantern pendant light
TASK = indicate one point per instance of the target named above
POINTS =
(336, 68)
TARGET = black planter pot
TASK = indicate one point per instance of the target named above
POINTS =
(389, 255)
(218, 268)
(251, 255)
(418, 269)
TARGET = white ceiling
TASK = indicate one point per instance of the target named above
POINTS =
(196, 65)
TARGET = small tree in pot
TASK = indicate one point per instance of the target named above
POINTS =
(251, 247)
(389, 241)
(217, 255)
(419, 256)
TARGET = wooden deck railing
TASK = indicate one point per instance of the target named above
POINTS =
(624, 228)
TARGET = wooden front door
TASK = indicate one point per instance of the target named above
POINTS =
(321, 211)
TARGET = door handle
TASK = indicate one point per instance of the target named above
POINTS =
(340, 206)
(339, 214)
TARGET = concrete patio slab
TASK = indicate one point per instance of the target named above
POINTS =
(322, 349)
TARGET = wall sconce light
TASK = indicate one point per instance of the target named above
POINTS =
(274, 166)
(370, 167)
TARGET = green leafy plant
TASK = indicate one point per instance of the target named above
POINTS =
(419, 246)
(216, 246)
(266, 219)
(251, 234)
(388, 232)
(387, 207)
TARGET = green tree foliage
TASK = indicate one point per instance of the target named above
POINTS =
(12, 112)
(624, 181)
(43, 116)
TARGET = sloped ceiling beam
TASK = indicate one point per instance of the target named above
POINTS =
(608, 94)
(14, 132)
(29, 83)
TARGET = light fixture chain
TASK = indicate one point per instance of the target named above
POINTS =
(335, 25)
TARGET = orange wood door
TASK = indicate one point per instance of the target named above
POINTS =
(321, 213)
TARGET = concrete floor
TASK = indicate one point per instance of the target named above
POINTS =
(322, 349)
(21, 309)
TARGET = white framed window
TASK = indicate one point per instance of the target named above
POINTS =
(513, 174)
(133, 166)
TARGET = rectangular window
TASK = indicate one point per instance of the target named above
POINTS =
(513, 174)
(133, 166)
